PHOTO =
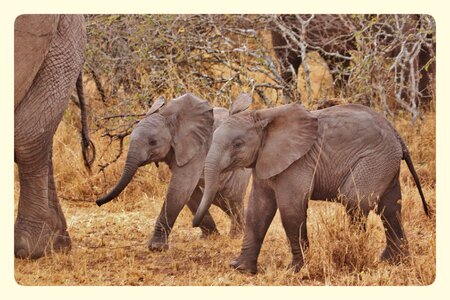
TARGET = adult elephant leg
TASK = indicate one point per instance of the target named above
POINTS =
(36, 118)
(260, 212)
(36, 223)
(35, 122)
(40, 222)
(208, 226)
(389, 210)
(61, 239)
(32, 229)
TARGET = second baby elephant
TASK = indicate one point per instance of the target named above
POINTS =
(347, 152)
(179, 135)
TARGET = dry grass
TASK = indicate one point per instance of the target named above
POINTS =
(109, 242)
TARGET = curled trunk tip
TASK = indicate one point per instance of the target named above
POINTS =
(196, 221)
(101, 201)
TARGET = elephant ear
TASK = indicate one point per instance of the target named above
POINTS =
(289, 133)
(191, 122)
(157, 104)
(241, 103)
(33, 35)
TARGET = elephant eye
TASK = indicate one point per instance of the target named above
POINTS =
(152, 142)
(238, 143)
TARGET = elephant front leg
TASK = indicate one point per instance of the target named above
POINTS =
(260, 212)
(293, 217)
(182, 185)
(164, 225)
(292, 195)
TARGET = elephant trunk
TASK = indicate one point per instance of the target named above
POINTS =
(213, 170)
(131, 166)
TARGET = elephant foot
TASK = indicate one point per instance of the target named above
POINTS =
(296, 265)
(34, 239)
(62, 242)
(244, 266)
(393, 256)
(158, 244)
(23, 247)
(158, 247)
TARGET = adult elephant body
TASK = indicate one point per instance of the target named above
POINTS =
(49, 55)
(179, 135)
(347, 153)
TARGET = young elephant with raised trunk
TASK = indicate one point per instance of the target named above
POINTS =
(179, 134)
(345, 152)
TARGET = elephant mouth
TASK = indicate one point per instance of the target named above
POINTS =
(149, 160)
(235, 166)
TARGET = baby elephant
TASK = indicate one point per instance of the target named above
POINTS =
(179, 134)
(345, 152)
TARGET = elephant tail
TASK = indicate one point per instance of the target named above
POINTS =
(87, 145)
(407, 158)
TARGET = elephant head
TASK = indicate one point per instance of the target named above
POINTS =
(253, 139)
(173, 134)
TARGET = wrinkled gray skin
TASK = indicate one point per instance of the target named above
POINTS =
(179, 134)
(48, 57)
(347, 152)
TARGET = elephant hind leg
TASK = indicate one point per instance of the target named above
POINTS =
(389, 210)
(208, 226)
(61, 239)
(356, 204)
(32, 229)
(368, 180)
(40, 225)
